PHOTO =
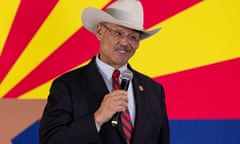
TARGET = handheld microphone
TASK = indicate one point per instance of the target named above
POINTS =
(126, 77)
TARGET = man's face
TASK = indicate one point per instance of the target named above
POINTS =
(117, 43)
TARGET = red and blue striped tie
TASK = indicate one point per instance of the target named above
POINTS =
(125, 116)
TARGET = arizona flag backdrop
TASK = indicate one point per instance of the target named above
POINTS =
(196, 56)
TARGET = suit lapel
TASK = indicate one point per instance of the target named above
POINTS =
(139, 94)
(97, 85)
(95, 81)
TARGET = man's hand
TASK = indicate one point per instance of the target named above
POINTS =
(115, 101)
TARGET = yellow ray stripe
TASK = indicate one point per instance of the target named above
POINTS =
(8, 9)
(42, 91)
(206, 33)
(187, 40)
(60, 25)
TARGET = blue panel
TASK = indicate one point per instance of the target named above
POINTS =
(28, 136)
(182, 132)
(205, 131)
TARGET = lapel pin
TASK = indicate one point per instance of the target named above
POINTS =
(140, 87)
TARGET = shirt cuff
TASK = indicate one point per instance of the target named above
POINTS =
(98, 127)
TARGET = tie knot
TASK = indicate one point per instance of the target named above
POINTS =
(116, 74)
(115, 80)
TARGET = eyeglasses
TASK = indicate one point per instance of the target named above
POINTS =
(132, 38)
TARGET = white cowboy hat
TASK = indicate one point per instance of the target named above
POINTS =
(127, 13)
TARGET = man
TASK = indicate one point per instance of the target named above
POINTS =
(82, 103)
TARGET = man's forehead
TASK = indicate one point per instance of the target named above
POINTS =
(121, 27)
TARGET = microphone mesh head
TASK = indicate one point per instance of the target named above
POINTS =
(127, 74)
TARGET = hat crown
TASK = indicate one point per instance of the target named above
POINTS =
(129, 12)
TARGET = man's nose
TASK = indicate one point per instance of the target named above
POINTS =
(124, 40)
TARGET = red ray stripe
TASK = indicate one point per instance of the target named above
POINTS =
(30, 15)
(78, 49)
(156, 11)
(82, 46)
(210, 92)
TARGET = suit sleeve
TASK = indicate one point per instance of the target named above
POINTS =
(58, 126)
(164, 137)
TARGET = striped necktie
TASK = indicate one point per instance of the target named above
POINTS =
(125, 116)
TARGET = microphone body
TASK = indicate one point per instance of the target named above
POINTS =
(125, 80)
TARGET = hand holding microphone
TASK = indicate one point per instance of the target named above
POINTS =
(113, 102)
(126, 77)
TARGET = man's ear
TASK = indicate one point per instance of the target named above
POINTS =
(99, 32)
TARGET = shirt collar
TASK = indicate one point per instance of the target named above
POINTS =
(107, 69)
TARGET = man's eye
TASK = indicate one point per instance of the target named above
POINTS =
(119, 34)
(132, 37)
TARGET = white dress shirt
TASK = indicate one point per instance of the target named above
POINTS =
(106, 72)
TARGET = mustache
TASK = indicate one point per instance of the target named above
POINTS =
(124, 48)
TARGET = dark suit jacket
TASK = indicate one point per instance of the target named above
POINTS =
(74, 97)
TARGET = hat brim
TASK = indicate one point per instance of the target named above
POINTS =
(92, 16)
